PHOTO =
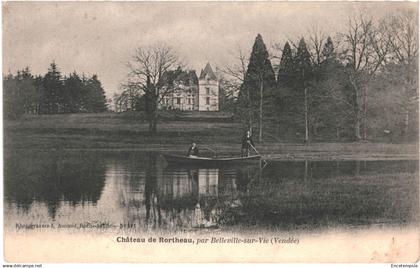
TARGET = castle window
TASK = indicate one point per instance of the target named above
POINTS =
(189, 101)
(208, 100)
(178, 100)
(207, 90)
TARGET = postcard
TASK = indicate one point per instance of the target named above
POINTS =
(209, 132)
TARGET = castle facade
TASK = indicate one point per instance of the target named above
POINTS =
(191, 93)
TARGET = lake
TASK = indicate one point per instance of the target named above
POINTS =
(138, 191)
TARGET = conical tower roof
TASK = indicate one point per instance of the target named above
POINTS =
(208, 71)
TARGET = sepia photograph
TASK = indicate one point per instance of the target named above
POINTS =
(210, 132)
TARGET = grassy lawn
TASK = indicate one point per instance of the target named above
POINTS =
(129, 132)
(328, 202)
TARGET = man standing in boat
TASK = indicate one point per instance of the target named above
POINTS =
(193, 150)
(246, 144)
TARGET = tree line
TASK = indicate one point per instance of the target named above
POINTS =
(358, 84)
(362, 85)
(53, 93)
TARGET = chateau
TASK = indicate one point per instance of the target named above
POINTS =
(192, 93)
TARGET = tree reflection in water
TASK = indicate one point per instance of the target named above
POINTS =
(299, 194)
(192, 197)
(139, 188)
(52, 177)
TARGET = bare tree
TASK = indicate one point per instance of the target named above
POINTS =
(147, 67)
(403, 30)
(234, 76)
(236, 71)
(316, 43)
(120, 103)
(126, 99)
(365, 48)
(317, 40)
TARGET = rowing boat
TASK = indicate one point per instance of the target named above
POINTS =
(197, 160)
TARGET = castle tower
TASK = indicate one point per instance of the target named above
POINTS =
(208, 90)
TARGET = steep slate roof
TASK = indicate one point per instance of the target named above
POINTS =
(186, 77)
(208, 71)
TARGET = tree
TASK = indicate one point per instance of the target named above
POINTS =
(403, 30)
(328, 54)
(232, 76)
(22, 94)
(259, 81)
(365, 49)
(227, 97)
(304, 69)
(53, 87)
(389, 105)
(330, 106)
(285, 94)
(72, 94)
(29, 92)
(52, 93)
(147, 68)
(12, 101)
(286, 74)
(324, 90)
(93, 96)
(37, 96)
(317, 45)
(124, 102)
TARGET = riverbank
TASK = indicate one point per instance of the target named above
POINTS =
(129, 133)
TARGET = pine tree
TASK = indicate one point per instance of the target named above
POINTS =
(328, 52)
(286, 70)
(303, 62)
(21, 94)
(304, 69)
(93, 96)
(12, 101)
(99, 96)
(258, 84)
(72, 95)
(285, 92)
(329, 111)
(52, 98)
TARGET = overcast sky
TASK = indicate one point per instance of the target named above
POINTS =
(99, 37)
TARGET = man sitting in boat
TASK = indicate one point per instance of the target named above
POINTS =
(193, 150)
(246, 144)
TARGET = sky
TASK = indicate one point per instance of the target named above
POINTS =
(100, 37)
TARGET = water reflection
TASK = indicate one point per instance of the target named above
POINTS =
(132, 188)
(189, 197)
(53, 179)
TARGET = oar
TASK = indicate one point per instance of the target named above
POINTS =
(258, 153)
